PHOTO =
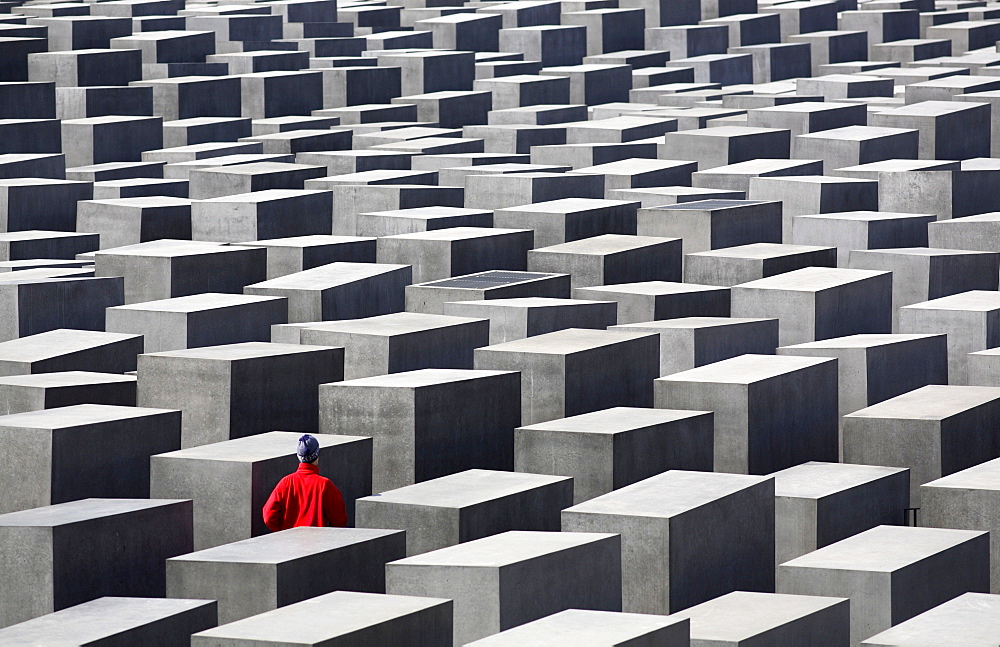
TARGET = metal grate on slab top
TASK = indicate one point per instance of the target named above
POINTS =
(490, 279)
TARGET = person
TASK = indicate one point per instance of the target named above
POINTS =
(304, 498)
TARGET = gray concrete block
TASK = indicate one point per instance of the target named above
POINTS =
(817, 504)
(339, 291)
(734, 265)
(969, 232)
(511, 190)
(417, 219)
(738, 176)
(921, 274)
(854, 145)
(966, 500)
(110, 619)
(949, 130)
(466, 506)
(874, 368)
(687, 342)
(26, 298)
(515, 577)
(771, 412)
(262, 215)
(243, 175)
(444, 253)
(430, 297)
(651, 300)
(517, 318)
(21, 393)
(127, 544)
(637, 173)
(60, 455)
(400, 342)
(610, 449)
(38, 203)
(417, 420)
(37, 244)
(969, 618)
(569, 219)
(164, 269)
(340, 619)
(574, 371)
(95, 140)
(610, 259)
(809, 117)
(230, 481)
(949, 194)
(269, 386)
(809, 194)
(713, 147)
(890, 573)
(297, 253)
(670, 558)
(130, 221)
(861, 230)
(934, 430)
(257, 575)
(714, 223)
(969, 319)
(817, 303)
(208, 319)
(70, 350)
(743, 617)
(568, 628)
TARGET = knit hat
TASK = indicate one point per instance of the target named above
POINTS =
(308, 449)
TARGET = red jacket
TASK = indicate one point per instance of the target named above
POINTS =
(304, 498)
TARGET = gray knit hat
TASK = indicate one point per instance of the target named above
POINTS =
(308, 449)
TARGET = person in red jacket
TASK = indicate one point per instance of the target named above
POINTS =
(304, 498)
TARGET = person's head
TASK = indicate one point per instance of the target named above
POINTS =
(308, 450)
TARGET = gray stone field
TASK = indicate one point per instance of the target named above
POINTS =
(637, 323)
